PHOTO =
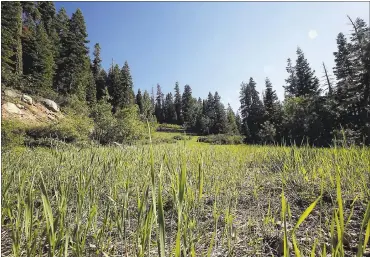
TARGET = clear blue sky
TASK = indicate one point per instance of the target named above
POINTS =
(215, 45)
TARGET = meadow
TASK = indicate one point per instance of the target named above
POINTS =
(186, 199)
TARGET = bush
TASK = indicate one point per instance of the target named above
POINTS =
(129, 126)
(170, 127)
(178, 137)
(12, 133)
(125, 126)
(69, 130)
(181, 137)
(221, 139)
(159, 140)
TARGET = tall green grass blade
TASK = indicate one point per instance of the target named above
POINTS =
(161, 221)
(296, 248)
(306, 213)
(313, 251)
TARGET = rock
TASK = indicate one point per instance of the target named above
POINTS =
(11, 108)
(27, 99)
(10, 93)
(20, 106)
(51, 105)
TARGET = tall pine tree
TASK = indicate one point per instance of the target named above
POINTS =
(169, 109)
(139, 101)
(159, 111)
(11, 46)
(128, 86)
(178, 104)
(188, 106)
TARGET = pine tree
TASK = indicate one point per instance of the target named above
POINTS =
(91, 90)
(291, 87)
(73, 64)
(152, 101)
(273, 114)
(359, 95)
(100, 76)
(269, 101)
(245, 105)
(115, 89)
(61, 27)
(360, 49)
(343, 70)
(48, 17)
(43, 60)
(301, 120)
(11, 47)
(346, 89)
(159, 111)
(169, 109)
(255, 118)
(101, 85)
(251, 111)
(96, 65)
(147, 106)
(220, 125)
(232, 127)
(127, 84)
(188, 106)
(139, 101)
(273, 108)
(178, 104)
(209, 111)
(238, 122)
(31, 17)
(307, 83)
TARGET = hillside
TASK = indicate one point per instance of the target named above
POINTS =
(28, 109)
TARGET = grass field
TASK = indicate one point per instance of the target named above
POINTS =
(186, 199)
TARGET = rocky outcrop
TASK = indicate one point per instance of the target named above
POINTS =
(11, 108)
(51, 105)
(27, 99)
(11, 93)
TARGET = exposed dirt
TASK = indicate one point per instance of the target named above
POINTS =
(30, 114)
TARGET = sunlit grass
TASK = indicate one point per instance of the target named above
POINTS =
(185, 199)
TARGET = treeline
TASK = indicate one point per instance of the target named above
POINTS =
(313, 112)
(207, 116)
(45, 52)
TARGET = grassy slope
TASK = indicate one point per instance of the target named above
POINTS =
(242, 188)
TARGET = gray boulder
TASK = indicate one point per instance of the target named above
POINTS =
(11, 108)
(20, 106)
(51, 105)
(10, 93)
(27, 99)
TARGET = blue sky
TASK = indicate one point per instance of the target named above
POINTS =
(214, 46)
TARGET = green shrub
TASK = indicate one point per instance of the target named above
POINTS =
(221, 139)
(170, 127)
(12, 133)
(125, 126)
(178, 137)
(69, 130)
